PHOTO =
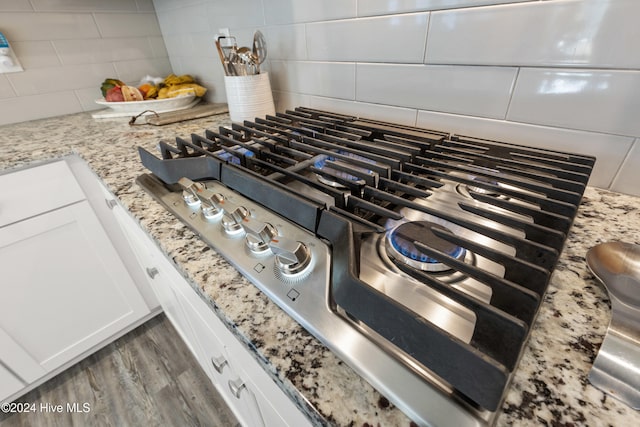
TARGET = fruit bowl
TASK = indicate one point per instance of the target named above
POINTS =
(157, 105)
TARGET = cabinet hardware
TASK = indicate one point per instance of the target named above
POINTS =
(236, 387)
(152, 272)
(111, 203)
(219, 363)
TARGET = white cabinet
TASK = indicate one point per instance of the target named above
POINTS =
(65, 290)
(226, 375)
(248, 390)
(9, 383)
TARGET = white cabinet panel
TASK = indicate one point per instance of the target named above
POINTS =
(9, 383)
(32, 191)
(64, 288)
(479, 91)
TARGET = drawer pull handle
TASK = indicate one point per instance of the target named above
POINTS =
(219, 363)
(152, 272)
(236, 387)
(111, 203)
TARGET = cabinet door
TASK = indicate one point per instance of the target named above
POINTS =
(64, 288)
(158, 271)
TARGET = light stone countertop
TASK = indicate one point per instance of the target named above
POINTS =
(550, 386)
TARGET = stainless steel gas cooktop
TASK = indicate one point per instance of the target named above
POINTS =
(419, 257)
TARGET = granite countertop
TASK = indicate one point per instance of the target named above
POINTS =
(550, 386)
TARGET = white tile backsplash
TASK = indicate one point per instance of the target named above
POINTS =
(336, 80)
(39, 106)
(287, 42)
(479, 91)
(47, 80)
(15, 6)
(88, 51)
(627, 181)
(6, 90)
(127, 24)
(293, 11)
(385, 7)
(84, 5)
(559, 33)
(395, 38)
(47, 26)
(559, 74)
(68, 47)
(596, 100)
(36, 54)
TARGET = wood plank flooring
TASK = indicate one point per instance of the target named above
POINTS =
(146, 378)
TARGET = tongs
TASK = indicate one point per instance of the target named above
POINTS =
(228, 51)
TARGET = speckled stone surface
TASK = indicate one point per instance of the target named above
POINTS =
(550, 386)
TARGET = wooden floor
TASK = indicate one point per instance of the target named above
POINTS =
(146, 378)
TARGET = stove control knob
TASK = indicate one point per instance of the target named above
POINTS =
(190, 191)
(259, 234)
(233, 216)
(292, 257)
(211, 204)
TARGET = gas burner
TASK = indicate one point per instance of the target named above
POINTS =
(467, 190)
(400, 248)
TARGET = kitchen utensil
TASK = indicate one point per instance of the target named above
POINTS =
(223, 59)
(259, 46)
(616, 370)
(250, 60)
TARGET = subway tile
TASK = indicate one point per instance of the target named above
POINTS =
(145, 5)
(88, 96)
(595, 100)
(335, 80)
(47, 26)
(627, 179)
(235, 14)
(64, 78)
(397, 38)
(6, 91)
(609, 150)
(36, 54)
(158, 47)
(385, 7)
(127, 24)
(84, 5)
(289, 11)
(398, 115)
(481, 91)
(561, 33)
(25, 108)
(15, 6)
(289, 100)
(91, 51)
(286, 42)
(186, 19)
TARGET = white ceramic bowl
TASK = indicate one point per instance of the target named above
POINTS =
(157, 105)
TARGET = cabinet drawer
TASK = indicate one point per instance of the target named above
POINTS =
(32, 191)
